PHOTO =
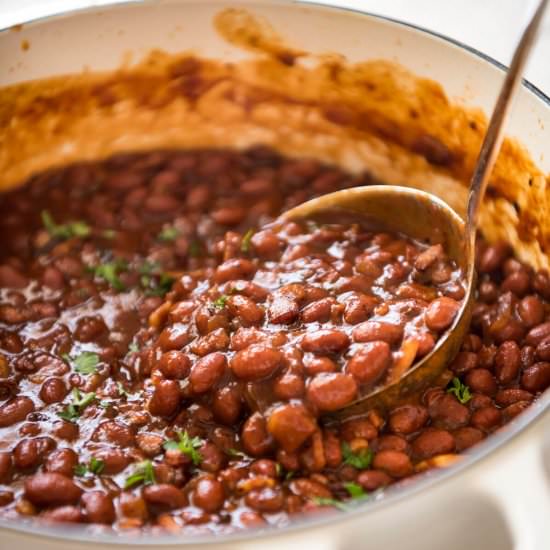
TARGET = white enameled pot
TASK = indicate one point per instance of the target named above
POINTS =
(496, 498)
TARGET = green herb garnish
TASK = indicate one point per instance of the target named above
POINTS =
(221, 301)
(108, 234)
(65, 231)
(355, 490)
(187, 445)
(122, 390)
(109, 271)
(95, 466)
(144, 473)
(245, 242)
(80, 402)
(461, 391)
(85, 363)
(238, 454)
(168, 234)
(360, 459)
(133, 347)
(153, 280)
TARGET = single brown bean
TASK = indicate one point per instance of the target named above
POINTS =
(227, 405)
(164, 495)
(256, 362)
(538, 333)
(370, 362)
(266, 244)
(371, 480)
(507, 362)
(98, 507)
(63, 514)
(257, 440)
(482, 381)
(15, 410)
(466, 437)
(390, 442)
(325, 341)
(543, 350)
(408, 419)
(289, 386)
(317, 312)
(11, 277)
(358, 428)
(537, 377)
(493, 257)
(209, 494)
(165, 399)
(267, 499)
(236, 268)
(207, 372)
(371, 331)
(508, 396)
(464, 362)
(53, 390)
(174, 365)
(393, 463)
(446, 412)
(61, 461)
(433, 442)
(359, 308)
(486, 418)
(441, 313)
(518, 282)
(246, 310)
(46, 489)
(531, 311)
(331, 391)
(5, 466)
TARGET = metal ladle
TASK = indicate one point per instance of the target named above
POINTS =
(419, 215)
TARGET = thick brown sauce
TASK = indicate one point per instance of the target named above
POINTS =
(146, 278)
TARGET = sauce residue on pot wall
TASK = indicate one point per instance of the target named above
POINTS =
(373, 115)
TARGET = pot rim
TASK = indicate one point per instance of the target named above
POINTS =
(533, 414)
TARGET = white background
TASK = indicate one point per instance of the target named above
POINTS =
(491, 26)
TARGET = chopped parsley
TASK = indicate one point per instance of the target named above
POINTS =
(168, 234)
(109, 271)
(360, 459)
(461, 391)
(355, 490)
(65, 231)
(245, 243)
(144, 473)
(153, 280)
(85, 363)
(221, 301)
(95, 467)
(80, 401)
(186, 445)
(108, 234)
(122, 390)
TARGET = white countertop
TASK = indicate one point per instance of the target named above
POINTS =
(490, 26)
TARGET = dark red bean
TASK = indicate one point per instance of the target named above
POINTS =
(359, 308)
(447, 412)
(507, 362)
(164, 495)
(174, 365)
(209, 494)
(510, 396)
(98, 507)
(256, 362)
(165, 399)
(53, 390)
(248, 313)
(371, 480)
(207, 372)
(537, 334)
(256, 439)
(543, 350)
(537, 377)
(325, 341)
(267, 499)
(464, 362)
(371, 331)
(518, 282)
(63, 514)
(5, 466)
(433, 442)
(482, 381)
(493, 257)
(331, 391)
(15, 410)
(531, 311)
(317, 312)
(11, 277)
(466, 437)
(393, 463)
(441, 313)
(227, 405)
(486, 418)
(61, 461)
(370, 362)
(407, 419)
(51, 489)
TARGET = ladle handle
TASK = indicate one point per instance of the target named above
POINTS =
(493, 138)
